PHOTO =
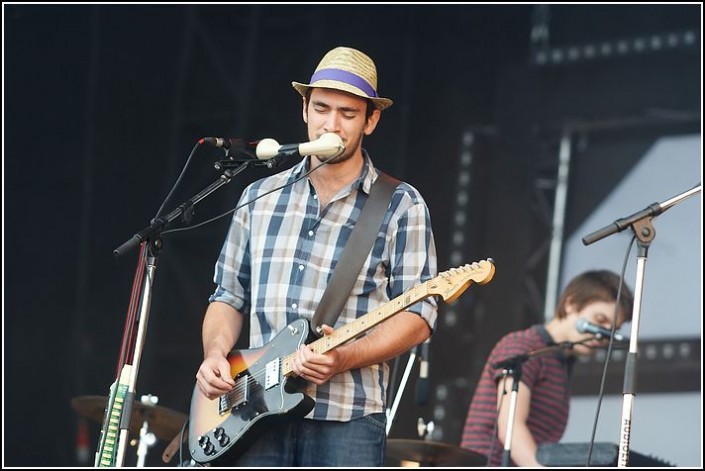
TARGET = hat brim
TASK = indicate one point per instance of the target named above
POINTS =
(379, 102)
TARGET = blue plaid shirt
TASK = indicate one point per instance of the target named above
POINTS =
(280, 253)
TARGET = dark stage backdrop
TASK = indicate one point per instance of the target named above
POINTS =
(103, 104)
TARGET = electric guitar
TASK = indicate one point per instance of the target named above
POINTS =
(266, 388)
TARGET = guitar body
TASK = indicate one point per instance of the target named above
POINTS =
(262, 394)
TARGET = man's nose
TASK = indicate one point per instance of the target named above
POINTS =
(332, 123)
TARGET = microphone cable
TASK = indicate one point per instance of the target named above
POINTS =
(178, 180)
(247, 152)
(208, 221)
(609, 351)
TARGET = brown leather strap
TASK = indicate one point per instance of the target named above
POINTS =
(173, 446)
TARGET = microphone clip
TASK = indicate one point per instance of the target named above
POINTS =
(279, 159)
(229, 164)
(274, 162)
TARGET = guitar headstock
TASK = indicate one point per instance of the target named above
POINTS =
(451, 283)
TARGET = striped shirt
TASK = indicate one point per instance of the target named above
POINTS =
(280, 253)
(547, 377)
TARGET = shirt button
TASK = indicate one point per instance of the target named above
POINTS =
(315, 197)
(294, 306)
(301, 267)
(310, 233)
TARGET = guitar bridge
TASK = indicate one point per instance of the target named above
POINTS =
(236, 397)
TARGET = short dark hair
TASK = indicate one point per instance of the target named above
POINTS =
(368, 112)
(595, 285)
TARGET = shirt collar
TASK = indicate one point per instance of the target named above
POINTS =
(567, 360)
(364, 181)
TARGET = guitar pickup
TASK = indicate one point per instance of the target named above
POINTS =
(271, 374)
(236, 397)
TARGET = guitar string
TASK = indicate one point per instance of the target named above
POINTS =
(255, 376)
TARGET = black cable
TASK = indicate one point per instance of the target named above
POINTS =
(183, 172)
(609, 351)
(181, 443)
(208, 221)
(178, 180)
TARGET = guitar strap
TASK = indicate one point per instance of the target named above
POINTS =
(354, 254)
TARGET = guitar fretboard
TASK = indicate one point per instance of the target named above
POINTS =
(363, 324)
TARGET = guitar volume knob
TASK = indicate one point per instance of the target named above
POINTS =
(205, 443)
(219, 434)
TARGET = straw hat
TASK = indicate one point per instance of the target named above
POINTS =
(349, 70)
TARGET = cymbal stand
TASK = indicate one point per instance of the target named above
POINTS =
(147, 439)
(640, 224)
(425, 430)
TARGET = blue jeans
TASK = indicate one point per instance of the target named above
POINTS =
(317, 443)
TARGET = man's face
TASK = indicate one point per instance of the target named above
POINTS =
(341, 113)
(599, 313)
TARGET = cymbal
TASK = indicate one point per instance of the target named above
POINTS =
(163, 422)
(429, 453)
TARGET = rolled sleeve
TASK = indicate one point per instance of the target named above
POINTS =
(414, 257)
(232, 270)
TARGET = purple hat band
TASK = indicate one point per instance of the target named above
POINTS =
(345, 77)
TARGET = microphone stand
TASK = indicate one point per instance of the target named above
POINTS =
(132, 343)
(512, 367)
(640, 223)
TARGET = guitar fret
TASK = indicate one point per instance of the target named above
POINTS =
(286, 364)
(353, 329)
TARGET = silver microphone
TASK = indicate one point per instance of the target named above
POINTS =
(586, 327)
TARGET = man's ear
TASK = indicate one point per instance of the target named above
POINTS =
(569, 306)
(304, 112)
(372, 121)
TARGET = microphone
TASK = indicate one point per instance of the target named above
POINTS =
(228, 143)
(329, 145)
(586, 327)
(423, 388)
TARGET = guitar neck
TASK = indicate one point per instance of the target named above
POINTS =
(363, 324)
